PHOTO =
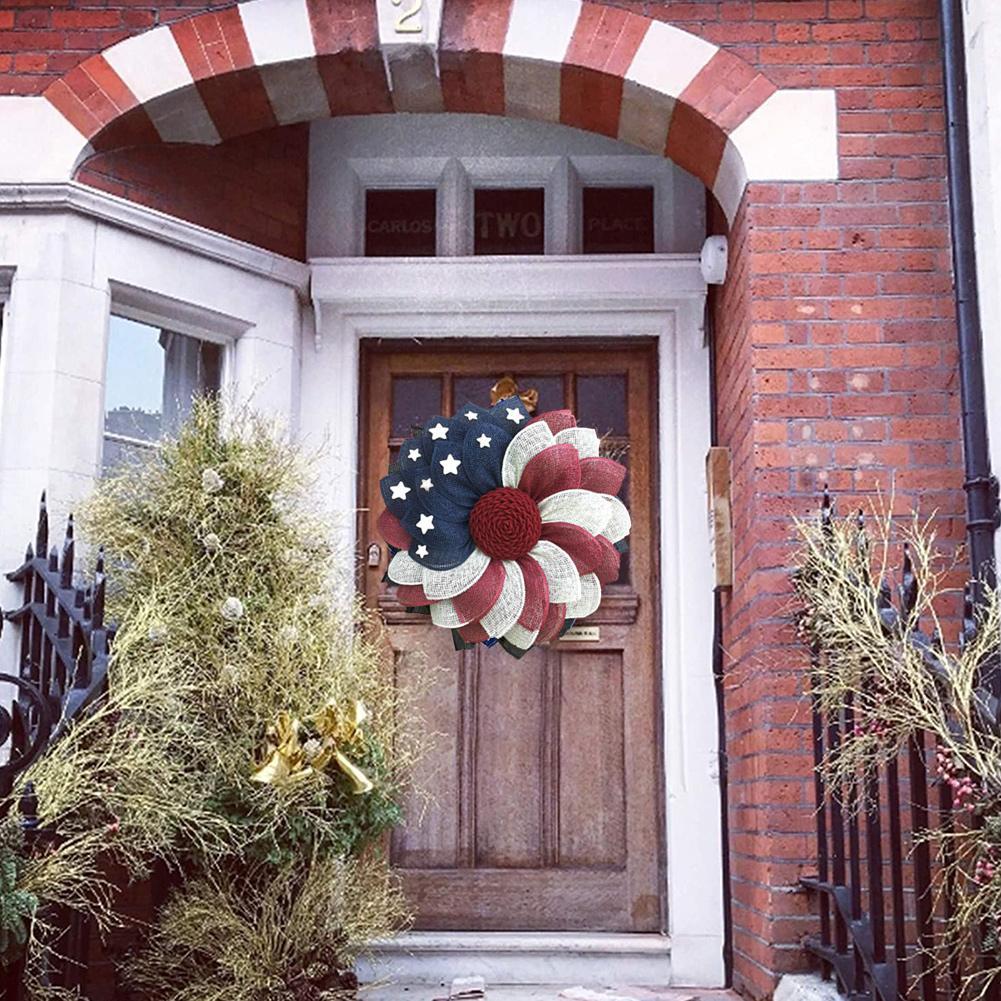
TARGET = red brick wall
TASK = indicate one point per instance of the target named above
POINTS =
(252, 188)
(835, 347)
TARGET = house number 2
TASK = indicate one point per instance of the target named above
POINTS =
(409, 21)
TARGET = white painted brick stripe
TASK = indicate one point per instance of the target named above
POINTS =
(541, 29)
(152, 67)
(793, 134)
(731, 179)
(151, 64)
(668, 59)
(278, 30)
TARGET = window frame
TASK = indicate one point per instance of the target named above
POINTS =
(164, 313)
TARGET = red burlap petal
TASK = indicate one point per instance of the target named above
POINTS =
(607, 570)
(603, 476)
(553, 623)
(392, 531)
(536, 594)
(578, 543)
(558, 420)
(479, 599)
(412, 595)
(473, 633)
(551, 470)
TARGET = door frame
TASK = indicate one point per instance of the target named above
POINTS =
(654, 296)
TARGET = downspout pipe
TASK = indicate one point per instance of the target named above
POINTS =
(981, 486)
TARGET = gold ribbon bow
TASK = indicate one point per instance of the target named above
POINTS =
(289, 758)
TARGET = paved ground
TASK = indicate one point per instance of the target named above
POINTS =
(422, 992)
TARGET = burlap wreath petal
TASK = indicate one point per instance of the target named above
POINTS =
(578, 507)
(445, 614)
(557, 419)
(585, 440)
(521, 637)
(405, 570)
(561, 574)
(440, 584)
(619, 521)
(590, 598)
(507, 608)
(528, 442)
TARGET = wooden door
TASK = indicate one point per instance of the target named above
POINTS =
(542, 800)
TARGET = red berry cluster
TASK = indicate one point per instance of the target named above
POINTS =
(965, 792)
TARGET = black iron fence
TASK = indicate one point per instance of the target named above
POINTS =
(882, 911)
(62, 666)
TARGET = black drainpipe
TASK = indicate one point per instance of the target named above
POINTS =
(982, 515)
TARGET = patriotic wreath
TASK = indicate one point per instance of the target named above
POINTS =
(503, 526)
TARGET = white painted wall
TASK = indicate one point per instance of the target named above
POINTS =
(982, 21)
(68, 269)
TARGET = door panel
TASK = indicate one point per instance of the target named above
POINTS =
(540, 798)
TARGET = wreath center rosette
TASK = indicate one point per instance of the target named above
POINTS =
(502, 526)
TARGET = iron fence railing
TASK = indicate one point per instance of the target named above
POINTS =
(62, 666)
(882, 912)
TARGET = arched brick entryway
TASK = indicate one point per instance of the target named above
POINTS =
(273, 62)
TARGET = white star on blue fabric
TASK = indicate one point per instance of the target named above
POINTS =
(422, 551)
(414, 454)
(483, 441)
(425, 523)
(399, 491)
(439, 432)
(426, 484)
(514, 414)
(450, 466)
(471, 415)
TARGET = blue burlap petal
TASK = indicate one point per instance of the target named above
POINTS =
(483, 464)
(455, 485)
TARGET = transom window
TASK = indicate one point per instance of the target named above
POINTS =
(465, 185)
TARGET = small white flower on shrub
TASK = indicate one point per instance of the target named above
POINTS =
(312, 748)
(231, 609)
(288, 635)
(229, 675)
(212, 543)
(157, 632)
(212, 482)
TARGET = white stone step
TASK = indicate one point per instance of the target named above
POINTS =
(521, 958)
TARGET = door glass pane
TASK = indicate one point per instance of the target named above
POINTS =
(618, 221)
(401, 222)
(602, 405)
(549, 387)
(473, 389)
(415, 400)
(509, 221)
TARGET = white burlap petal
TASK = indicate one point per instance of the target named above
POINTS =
(404, 569)
(585, 440)
(439, 584)
(561, 573)
(590, 597)
(619, 522)
(507, 608)
(526, 444)
(521, 637)
(579, 507)
(443, 613)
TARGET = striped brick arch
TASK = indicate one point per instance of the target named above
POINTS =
(274, 62)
